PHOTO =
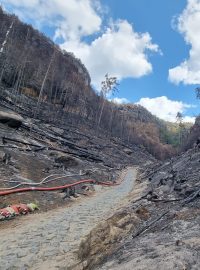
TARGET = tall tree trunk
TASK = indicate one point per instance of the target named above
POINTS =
(6, 38)
(100, 115)
(43, 84)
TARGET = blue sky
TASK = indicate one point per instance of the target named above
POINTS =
(150, 45)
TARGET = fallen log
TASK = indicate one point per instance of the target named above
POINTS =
(144, 229)
(82, 153)
(191, 197)
(12, 147)
(164, 201)
(5, 139)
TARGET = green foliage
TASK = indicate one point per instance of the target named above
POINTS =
(170, 133)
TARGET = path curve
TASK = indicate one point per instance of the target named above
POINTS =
(49, 240)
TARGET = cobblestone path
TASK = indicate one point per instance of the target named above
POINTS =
(50, 240)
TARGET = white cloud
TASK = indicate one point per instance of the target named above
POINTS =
(188, 23)
(119, 51)
(189, 119)
(120, 100)
(165, 108)
(72, 18)
(116, 49)
(21, 3)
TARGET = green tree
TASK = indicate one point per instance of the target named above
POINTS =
(182, 129)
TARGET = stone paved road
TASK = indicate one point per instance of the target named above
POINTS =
(49, 240)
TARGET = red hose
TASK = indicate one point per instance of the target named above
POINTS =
(28, 189)
(18, 190)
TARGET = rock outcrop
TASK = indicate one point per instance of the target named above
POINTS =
(10, 118)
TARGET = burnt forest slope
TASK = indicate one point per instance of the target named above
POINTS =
(31, 150)
(48, 116)
(40, 80)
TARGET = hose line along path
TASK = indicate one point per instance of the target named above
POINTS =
(49, 240)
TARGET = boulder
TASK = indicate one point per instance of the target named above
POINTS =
(10, 118)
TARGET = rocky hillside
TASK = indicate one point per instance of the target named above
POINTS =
(40, 80)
